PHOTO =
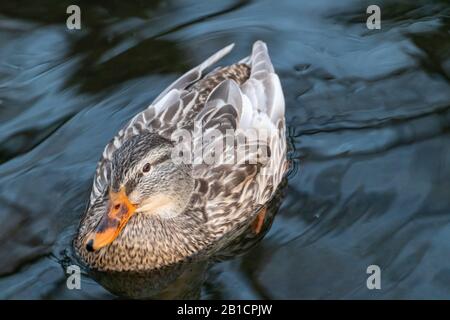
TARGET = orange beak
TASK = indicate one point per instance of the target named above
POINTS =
(110, 226)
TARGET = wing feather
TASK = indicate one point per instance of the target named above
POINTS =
(260, 106)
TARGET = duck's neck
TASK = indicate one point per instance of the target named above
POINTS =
(172, 198)
(148, 243)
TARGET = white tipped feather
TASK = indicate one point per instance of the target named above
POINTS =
(229, 92)
(216, 57)
(195, 74)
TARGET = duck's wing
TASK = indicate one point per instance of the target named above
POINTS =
(168, 109)
(231, 191)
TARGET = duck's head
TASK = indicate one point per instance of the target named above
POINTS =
(143, 181)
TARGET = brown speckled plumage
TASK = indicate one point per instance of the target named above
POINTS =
(216, 203)
(238, 72)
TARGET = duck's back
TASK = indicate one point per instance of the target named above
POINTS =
(239, 73)
(243, 96)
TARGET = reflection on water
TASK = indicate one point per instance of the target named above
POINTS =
(368, 114)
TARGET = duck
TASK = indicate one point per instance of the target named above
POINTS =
(155, 200)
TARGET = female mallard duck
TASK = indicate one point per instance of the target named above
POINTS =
(147, 210)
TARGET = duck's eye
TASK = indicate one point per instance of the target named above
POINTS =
(146, 167)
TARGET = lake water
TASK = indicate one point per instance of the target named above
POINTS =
(368, 113)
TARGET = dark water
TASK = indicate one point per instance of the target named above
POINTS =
(368, 114)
